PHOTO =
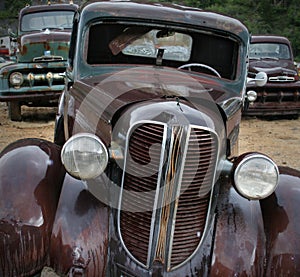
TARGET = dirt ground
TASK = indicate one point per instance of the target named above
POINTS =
(280, 139)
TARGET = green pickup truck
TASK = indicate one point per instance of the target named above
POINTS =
(36, 78)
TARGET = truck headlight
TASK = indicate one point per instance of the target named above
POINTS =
(16, 79)
(84, 156)
(256, 176)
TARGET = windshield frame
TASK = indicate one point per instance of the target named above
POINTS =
(217, 35)
(66, 17)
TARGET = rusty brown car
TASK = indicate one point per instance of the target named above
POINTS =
(143, 177)
(280, 96)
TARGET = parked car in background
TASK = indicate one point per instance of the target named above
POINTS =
(4, 53)
(281, 95)
(143, 177)
(37, 77)
(5, 48)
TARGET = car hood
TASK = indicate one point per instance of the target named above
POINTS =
(46, 46)
(273, 67)
(97, 103)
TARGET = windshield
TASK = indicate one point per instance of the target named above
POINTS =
(269, 50)
(182, 48)
(50, 19)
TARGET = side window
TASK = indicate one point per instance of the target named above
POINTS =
(285, 52)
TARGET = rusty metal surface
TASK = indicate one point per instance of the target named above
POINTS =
(239, 245)
(166, 12)
(52, 7)
(30, 183)
(48, 98)
(34, 44)
(79, 240)
(281, 225)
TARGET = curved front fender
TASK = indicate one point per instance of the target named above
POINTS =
(259, 238)
(80, 237)
(282, 225)
(239, 246)
(30, 183)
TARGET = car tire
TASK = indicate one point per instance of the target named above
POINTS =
(14, 111)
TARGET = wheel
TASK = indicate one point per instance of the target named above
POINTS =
(14, 111)
(190, 65)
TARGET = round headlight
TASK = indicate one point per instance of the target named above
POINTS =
(84, 156)
(251, 95)
(256, 176)
(16, 79)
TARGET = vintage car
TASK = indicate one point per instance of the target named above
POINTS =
(143, 177)
(281, 95)
(37, 77)
(5, 48)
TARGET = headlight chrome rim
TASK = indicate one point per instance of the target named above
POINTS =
(262, 176)
(16, 79)
(84, 156)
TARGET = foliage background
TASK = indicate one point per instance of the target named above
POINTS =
(280, 17)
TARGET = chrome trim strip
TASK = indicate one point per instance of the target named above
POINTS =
(171, 184)
(157, 195)
(281, 79)
(187, 138)
(48, 58)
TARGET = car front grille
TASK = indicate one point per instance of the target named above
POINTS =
(278, 95)
(167, 184)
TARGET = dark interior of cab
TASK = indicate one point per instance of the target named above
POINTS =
(126, 43)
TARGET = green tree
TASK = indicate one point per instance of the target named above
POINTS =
(278, 17)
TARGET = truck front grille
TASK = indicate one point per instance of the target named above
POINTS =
(282, 79)
(46, 78)
(278, 95)
(167, 184)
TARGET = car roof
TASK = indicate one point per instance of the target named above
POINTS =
(163, 12)
(269, 38)
(38, 8)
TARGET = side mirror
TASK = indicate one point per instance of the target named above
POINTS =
(260, 79)
(12, 35)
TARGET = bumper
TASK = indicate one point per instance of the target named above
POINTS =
(40, 95)
(272, 109)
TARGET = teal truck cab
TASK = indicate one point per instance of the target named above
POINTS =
(37, 76)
